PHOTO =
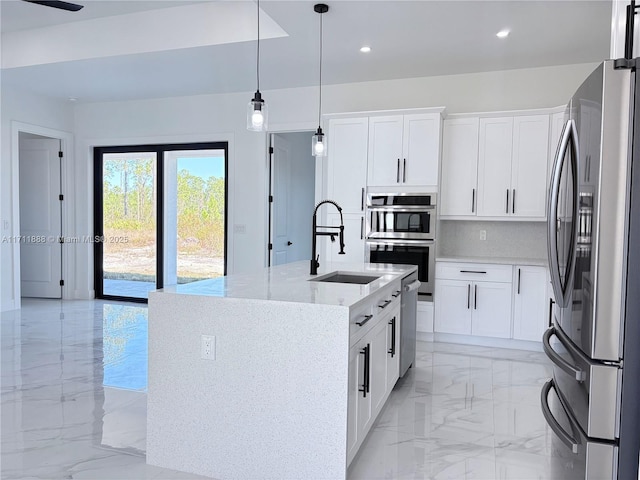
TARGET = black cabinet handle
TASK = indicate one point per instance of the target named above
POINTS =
(362, 200)
(396, 294)
(468, 295)
(513, 201)
(392, 350)
(366, 319)
(289, 243)
(506, 210)
(361, 228)
(475, 297)
(518, 281)
(384, 304)
(404, 171)
(473, 201)
(551, 302)
(472, 271)
(398, 173)
(366, 381)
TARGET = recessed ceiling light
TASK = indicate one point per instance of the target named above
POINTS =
(502, 34)
(365, 49)
(72, 99)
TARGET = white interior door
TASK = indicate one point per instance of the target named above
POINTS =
(281, 188)
(40, 218)
(293, 189)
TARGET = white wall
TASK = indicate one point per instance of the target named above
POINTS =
(222, 117)
(41, 114)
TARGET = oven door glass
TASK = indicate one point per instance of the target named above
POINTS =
(402, 223)
(421, 254)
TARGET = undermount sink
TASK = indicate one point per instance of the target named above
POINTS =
(345, 277)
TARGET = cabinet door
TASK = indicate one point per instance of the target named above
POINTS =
(347, 162)
(421, 150)
(529, 166)
(453, 307)
(491, 307)
(530, 307)
(379, 366)
(494, 166)
(355, 380)
(458, 191)
(353, 239)
(385, 151)
(393, 349)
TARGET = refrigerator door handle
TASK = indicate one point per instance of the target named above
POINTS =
(560, 362)
(553, 222)
(567, 439)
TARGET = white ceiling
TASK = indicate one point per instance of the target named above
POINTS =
(408, 39)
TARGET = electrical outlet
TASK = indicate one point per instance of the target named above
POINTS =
(240, 228)
(483, 234)
(208, 347)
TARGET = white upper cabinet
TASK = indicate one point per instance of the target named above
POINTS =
(347, 162)
(529, 167)
(458, 192)
(494, 166)
(404, 150)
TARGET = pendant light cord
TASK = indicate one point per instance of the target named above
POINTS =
(320, 99)
(258, 50)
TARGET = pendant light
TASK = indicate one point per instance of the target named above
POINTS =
(257, 110)
(319, 141)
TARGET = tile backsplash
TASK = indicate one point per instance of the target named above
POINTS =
(503, 239)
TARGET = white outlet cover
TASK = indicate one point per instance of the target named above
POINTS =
(208, 347)
(483, 234)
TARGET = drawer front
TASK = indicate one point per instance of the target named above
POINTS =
(474, 272)
(365, 316)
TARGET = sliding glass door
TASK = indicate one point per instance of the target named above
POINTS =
(159, 217)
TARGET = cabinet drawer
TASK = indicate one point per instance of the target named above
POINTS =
(476, 272)
(365, 316)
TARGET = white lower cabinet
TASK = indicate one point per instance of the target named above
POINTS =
(530, 314)
(492, 300)
(424, 320)
(473, 299)
(373, 371)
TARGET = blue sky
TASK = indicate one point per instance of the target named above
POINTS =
(204, 167)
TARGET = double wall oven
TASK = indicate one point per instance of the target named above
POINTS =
(401, 228)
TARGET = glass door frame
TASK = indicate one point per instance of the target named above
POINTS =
(98, 204)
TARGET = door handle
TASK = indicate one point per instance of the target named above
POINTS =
(468, 295)
(513, 201)
(565, 366)
(392, 350)
(362, 200)
(506, 210)
(567, 439)
(404, 170)
(551, 302)
(475, 297)
(398, 173)
(553, 224)
(365, 381)
(361, 228)
(473, 201)
(518, 281)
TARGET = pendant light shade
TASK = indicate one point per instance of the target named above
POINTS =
(319, 140)
(257, 110)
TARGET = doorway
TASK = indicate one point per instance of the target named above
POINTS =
(160, 217)
(292, 197)
(40, 213)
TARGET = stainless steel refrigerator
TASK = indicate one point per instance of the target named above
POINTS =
(592, 402)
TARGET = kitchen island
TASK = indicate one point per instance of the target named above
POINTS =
(271, 375)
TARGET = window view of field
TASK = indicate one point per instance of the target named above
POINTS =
(130, 187)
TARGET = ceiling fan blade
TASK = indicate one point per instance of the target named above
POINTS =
(71, 7)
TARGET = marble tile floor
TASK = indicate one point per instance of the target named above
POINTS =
(73, 404)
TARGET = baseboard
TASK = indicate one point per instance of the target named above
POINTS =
(488, 341)
(424, 336)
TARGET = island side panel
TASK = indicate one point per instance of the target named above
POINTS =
(273, 403)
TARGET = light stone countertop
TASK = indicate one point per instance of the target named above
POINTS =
(539, 262)
(290, 283)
